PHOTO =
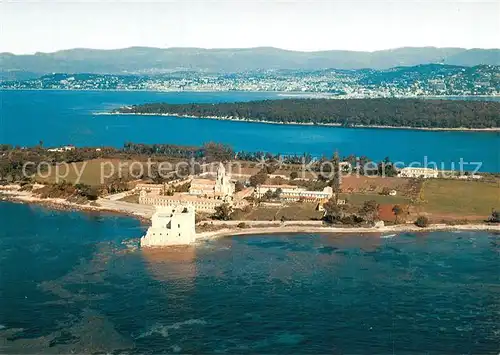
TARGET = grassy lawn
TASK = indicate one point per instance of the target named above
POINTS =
(134, 198)
(357, 199)
(292, 212)
(257, 214)
(460, 198)
(90, 171)
(300, 212)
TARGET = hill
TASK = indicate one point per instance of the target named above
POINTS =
(161, 60)
(420, 80)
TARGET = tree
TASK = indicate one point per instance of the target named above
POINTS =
(156, 177)
(422, 221)
(223, 212)
(398, 211)
(369, 210)
(277, 193)
(87, 191)
(386, 168)
(294, 175)
(238, 186)
(495, 217)
(217, 152)
(258, 179)
(335, 182)
(386, 191)
(182, 187)
(333, 212)
(268, 195)
(114, 185)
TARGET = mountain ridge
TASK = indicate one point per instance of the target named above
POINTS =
(160, 60)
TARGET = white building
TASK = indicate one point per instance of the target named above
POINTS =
(204, 194)
(66, 148)
(151, 188)
(469, 177)
(418, 173)
(201, 203)
(171, 226)
(295, 193)
(220, 187)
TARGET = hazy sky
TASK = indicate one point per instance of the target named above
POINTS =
(48, 25)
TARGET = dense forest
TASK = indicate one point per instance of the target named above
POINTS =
(347, 112)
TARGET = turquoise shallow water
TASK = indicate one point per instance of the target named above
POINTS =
(75, 282)
(66, 117)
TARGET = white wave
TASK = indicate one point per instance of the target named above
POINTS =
(388, 236)
(176, 348)
(187, 322)
(163, 330)
(155, 329)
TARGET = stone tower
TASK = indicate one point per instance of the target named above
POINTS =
(221, 180)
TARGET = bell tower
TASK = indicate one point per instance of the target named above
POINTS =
(221, 179)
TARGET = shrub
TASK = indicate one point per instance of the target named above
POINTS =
(495, 217)
(242, 225)
(385, 191)
(26, 187)
(422, 222)
(351, 219)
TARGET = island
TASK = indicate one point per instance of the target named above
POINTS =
(402, 113)
(191, 193)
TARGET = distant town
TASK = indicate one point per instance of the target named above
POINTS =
(413, 81)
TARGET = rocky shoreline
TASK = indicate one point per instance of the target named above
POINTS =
(228, 232)
(13, 194)
(26, 197)
(249, 120)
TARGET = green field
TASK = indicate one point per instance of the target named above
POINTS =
(357, 199)
(292, 212)
(458, 198)
(134, 198)
(92, 172)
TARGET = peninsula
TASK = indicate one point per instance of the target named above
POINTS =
(235, 193)
(400, 113)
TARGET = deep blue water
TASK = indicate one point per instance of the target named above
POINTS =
(69, 284)
(66, 117)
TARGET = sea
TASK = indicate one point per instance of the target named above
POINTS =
(71, 117)
(75, 282)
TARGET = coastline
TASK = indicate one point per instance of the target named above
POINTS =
(26, 197)
(400, 228)
(12, 194)
(338, 125)
(279, 93)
